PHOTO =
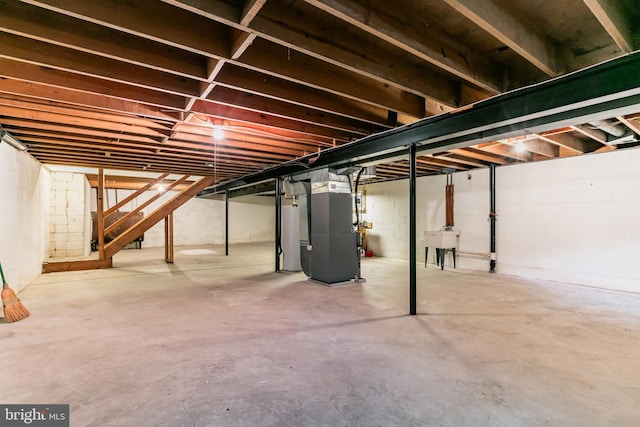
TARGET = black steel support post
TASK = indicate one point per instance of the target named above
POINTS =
(226, 222)
(492, 216)
(412, 230)
(278, 227)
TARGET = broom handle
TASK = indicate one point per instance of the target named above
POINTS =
(4, 282)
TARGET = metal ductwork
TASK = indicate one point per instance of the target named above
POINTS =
(610, 128)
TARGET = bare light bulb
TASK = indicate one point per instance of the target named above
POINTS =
(520, 147)
(218, 132)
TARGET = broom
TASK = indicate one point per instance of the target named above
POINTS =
(13, 308)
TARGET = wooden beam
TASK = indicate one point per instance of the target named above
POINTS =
(56, 267)
(630, 122)
(290, 64)
(479, 155)
(167, 24)
(156, 216)
(613, 19)
(309, 40)
(70, 119)
(168, 238)
(70, 32)
(258, 83)
(22, 90)
(135, 194)
(223, 112)
(64, 129)
(375, 61)
(68, 113)
(73, 81)
(473, 70)
(250, 10)
(285, 110)
(240, 42)
(511, 30)
(506, 150)
(72, 61)
(100, 211)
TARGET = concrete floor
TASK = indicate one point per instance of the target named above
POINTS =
(224, 341)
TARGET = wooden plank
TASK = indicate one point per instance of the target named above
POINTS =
(65, 129)
(156, 216)
(165, 24)
(71, 119)
(349, 52)
(285, 110)
(613, 19)
(56, 267)
(72, 61)
(24, 90)
(513, 31)
(289, 64)
(226, 112)
(73, 81)
(258, 83)
(66, 31)
(631, 122)
(473, 70)
(159, 127)
(250, 10)
(240, 42)
(100, 210)
(135, 194)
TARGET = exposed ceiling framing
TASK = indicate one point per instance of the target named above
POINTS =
(141, 85)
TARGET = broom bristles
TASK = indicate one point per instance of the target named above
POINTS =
(13, 308)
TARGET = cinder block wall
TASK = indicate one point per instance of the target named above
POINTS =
(573, 220)
(68, 214)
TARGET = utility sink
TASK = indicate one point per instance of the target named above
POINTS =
(445, 239)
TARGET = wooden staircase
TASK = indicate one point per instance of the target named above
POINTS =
(125, 237)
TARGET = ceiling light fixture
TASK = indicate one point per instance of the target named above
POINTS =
(520, 147)
(218, 132)
(6, 137)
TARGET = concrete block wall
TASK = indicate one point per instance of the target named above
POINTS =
(24, 217)
(69, 220)
(388, 207)
(573, 220)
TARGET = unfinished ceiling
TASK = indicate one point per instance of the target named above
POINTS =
(143, 85)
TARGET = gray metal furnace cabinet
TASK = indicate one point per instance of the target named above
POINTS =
(334, 255)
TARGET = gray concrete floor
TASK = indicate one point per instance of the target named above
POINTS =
(224, 341)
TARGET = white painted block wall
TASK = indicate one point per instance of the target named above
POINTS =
(24, 216)
(388, 206)
(573, 220)
(69, 227)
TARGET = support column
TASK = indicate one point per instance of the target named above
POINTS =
(168, 238)
(278, 228)
(100, 209)
(412, 230)
(226, 222)
(492, 216)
